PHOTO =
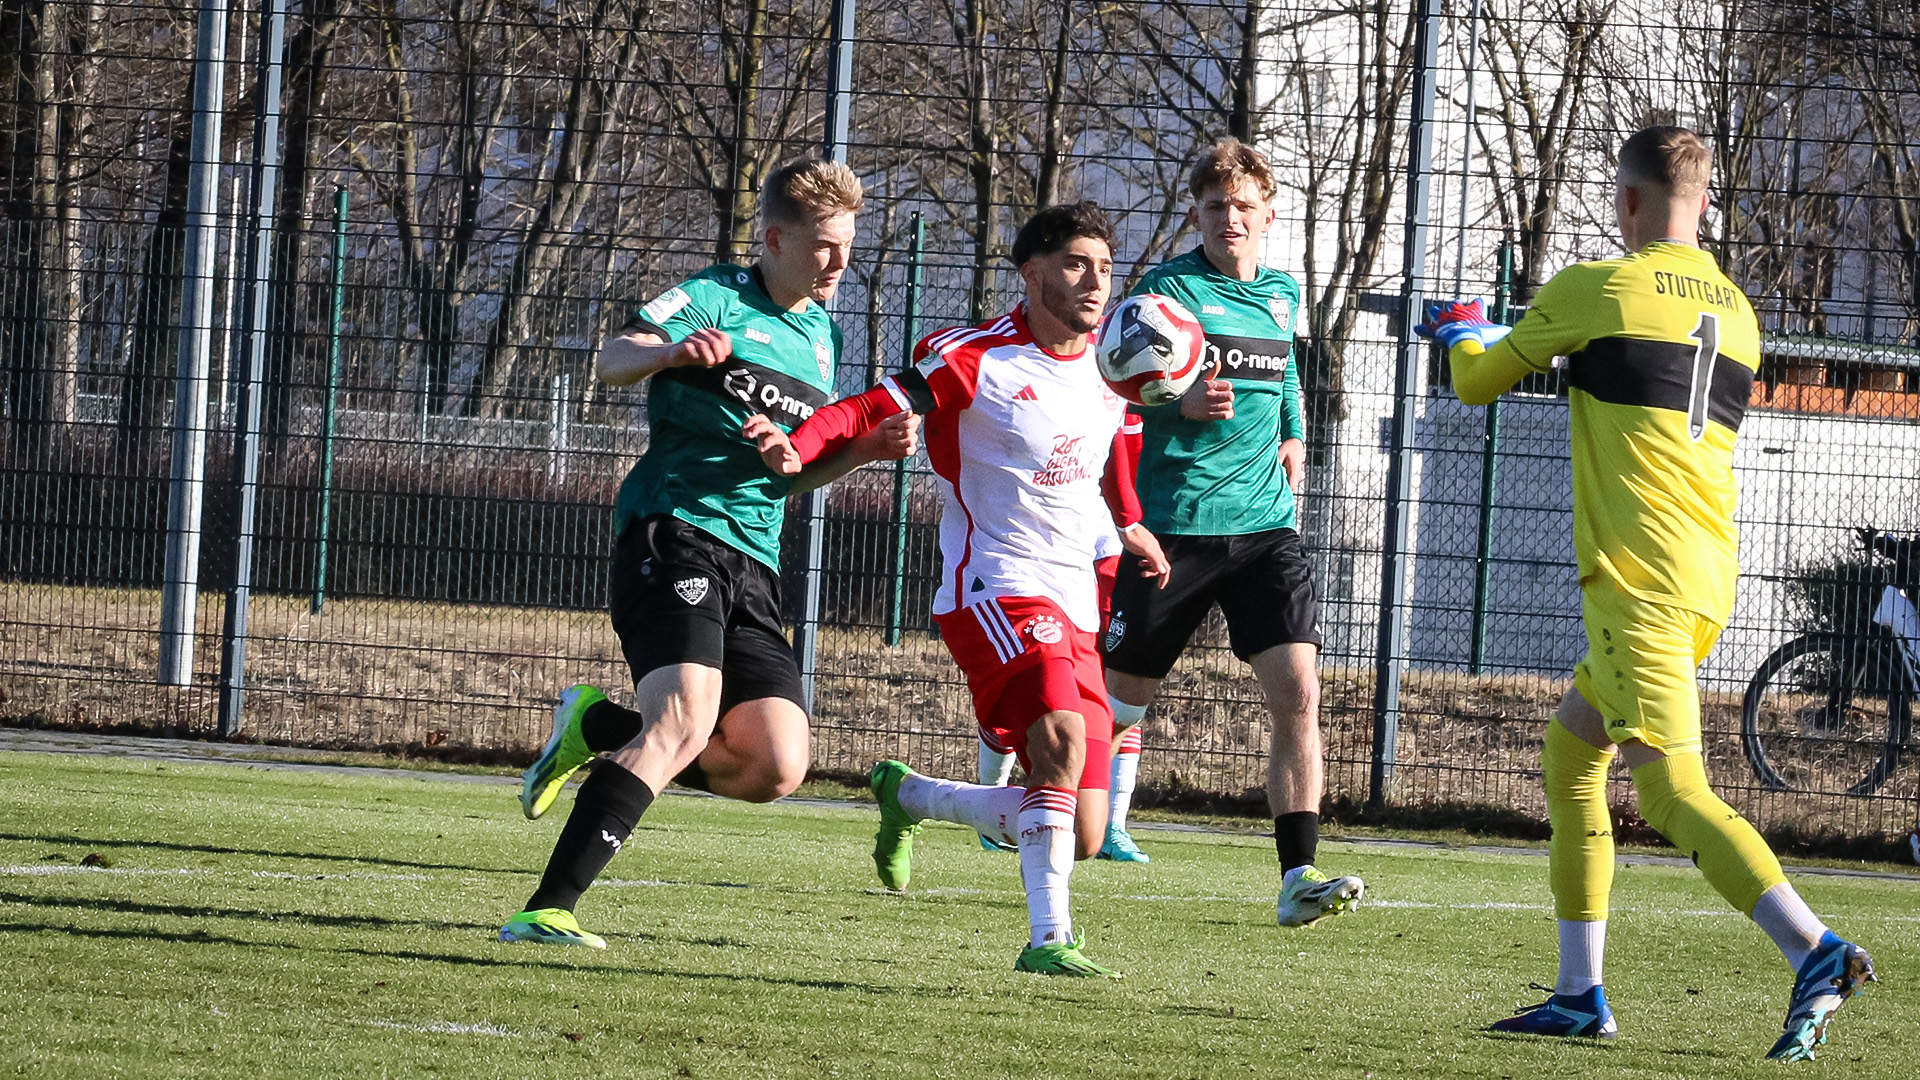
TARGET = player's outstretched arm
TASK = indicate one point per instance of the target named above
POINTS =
(637, 354)
(1482, 370)
(892, 439)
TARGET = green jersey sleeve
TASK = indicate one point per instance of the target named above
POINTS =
(699, 303)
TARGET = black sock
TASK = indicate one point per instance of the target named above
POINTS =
(1297, 837)
(695, 777)
(604, 813)
(606, 726)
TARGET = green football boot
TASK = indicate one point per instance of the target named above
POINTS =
(1062, 958)
(893, 844)
(566, 751)
(549, 926)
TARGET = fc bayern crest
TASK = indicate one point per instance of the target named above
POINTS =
(692, 590)
(1045, 629)
(823, 356)
(1282, 310)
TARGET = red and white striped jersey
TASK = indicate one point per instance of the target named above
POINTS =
(1019, 438)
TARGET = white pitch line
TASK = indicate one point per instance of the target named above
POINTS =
(50, 869)
(446, 1027)
(285, 876)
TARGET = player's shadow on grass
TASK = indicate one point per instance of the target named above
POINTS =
(201, 911)
(203, 937)
(212, 849)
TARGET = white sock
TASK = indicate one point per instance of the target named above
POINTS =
(1126, 771)
(1790, 923)
(996, 766)
(992, 811)
(1583, 946)
(1046, 859)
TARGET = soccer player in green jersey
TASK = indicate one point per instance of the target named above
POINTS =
(1661, 352)
(1217, 472)
(695, 590)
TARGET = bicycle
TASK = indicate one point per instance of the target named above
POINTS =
(1836, 707)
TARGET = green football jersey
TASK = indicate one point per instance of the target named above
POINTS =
(697, 466)
(1223, 477)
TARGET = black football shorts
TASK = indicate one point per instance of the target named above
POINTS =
(1261, 581)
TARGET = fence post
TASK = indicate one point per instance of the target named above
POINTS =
(902, 490)
(336, 316)
(186, 487)
(246, 452)
(1391, 646)
(1489, 469)
(806, 635)
(558, 423)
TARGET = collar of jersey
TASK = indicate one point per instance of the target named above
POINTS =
(763, 299)
(1019, 317)
(1259, 270)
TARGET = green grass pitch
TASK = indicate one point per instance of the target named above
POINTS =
(254, 922)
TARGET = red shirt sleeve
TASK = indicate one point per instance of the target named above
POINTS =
(940, 378)
(832, 427)
(1116, 484)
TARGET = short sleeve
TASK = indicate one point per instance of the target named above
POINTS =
(943, 375)
(696, 304)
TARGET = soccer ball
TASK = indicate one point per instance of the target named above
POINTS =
(1149, 349)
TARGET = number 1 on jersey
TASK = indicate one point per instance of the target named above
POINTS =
(1700, 386)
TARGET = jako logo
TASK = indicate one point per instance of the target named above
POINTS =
(611, 839)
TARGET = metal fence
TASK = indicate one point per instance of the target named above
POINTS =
(298, 303)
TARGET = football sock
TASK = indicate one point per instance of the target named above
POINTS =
(996, 765)
(1126, 771)
(1790, 923)
(1583, 946)
(606, 726)
(1125, 715)
(1675, 799)
(1580, 855)
(1296, 836)
(992, 811)
(1046, 859)
(605, 811)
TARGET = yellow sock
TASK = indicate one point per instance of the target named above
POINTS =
(1675, 799)
(1580, 855)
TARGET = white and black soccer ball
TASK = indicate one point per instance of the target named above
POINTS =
(1149, 349)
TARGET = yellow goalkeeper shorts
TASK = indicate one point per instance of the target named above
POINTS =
(1640, 668)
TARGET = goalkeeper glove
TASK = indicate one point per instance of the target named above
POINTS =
(1451, 322)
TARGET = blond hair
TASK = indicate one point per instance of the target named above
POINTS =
(807, 190)
(1226, 164)
(1673, 159)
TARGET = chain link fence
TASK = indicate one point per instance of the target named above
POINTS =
(298, 305)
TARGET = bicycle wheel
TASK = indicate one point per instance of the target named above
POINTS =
(1827, 712)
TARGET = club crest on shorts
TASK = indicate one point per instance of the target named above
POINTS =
(1045, 629)
(692, 590)
(1116, 629)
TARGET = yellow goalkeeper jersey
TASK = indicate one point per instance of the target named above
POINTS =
(1661, 353)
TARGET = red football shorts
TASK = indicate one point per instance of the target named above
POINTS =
(1024, 658)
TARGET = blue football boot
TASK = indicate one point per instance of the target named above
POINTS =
(1568, 1016)
(1837, 970)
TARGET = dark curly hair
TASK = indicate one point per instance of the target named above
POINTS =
(1049, 230)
